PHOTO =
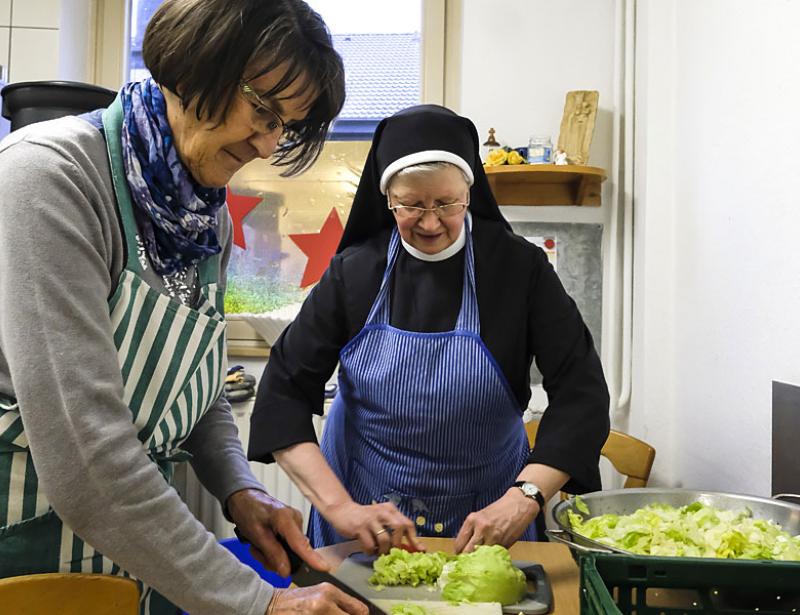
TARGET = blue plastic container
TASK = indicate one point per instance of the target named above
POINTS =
(242, 553)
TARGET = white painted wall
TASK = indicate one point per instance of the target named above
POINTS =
(76, 48)
(521, 57)
(717, 271)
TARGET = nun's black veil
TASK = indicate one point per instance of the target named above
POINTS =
(413, 130)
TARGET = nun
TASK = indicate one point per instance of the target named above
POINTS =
(433, 310)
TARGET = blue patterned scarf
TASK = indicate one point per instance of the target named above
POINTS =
(176, 216)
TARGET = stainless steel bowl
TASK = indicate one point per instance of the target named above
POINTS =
(626, 501)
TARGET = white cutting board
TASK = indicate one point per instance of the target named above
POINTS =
(357, 569)
(444, 608)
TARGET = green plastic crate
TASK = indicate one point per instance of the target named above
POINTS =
(613, 584)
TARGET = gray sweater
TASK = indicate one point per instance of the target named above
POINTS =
(61, 255)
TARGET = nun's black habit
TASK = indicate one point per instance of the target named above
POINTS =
(525, 314)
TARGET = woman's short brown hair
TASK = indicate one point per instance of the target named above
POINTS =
(201, 50)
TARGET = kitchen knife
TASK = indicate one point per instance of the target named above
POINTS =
(304, 575)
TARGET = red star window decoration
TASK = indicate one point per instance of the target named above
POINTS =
(319, 247)
(239, 205)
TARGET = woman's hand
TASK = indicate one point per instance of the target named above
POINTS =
(258, 517)
(322, 599)
(377, 527)
(500, 523)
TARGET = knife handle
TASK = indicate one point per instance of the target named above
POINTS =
(295, 562)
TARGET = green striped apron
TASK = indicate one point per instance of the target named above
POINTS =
(173, 361)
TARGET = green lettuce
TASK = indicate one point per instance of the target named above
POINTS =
(409, 609)
(399, 567)
(695, 530)
(484, 575)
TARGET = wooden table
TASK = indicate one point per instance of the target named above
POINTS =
(556, 559)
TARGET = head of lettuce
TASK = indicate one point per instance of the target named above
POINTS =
(485, 575)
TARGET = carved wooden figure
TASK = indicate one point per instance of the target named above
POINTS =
(577, 125)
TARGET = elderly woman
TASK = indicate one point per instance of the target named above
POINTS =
(434, 310)
(114, 238)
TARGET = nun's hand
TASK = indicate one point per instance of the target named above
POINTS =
(377, 527)
(500, 523)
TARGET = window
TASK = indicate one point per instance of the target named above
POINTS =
(282, 224)
(141, 12)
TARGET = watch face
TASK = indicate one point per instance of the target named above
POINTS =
(529, 489)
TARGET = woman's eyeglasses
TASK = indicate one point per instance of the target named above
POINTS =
(266, 116)
(441, 211)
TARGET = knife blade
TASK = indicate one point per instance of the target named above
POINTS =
(304, 575)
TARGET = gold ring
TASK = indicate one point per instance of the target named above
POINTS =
(379, 532)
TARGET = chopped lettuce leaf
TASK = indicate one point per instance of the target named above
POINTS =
(696, 530)
(485, 575)
(409, 609)
(399, 567)
(581, 505)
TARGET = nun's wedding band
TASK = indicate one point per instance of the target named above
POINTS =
(379, 532)
(386, 528)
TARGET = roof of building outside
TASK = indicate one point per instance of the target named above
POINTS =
(382, 72)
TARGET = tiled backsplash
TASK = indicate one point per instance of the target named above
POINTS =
(29, 37)
(5, 13)
(35, 13)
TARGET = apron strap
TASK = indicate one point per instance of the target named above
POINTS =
(113, 117)
(379, 313)
(468, 317)
(112, 123)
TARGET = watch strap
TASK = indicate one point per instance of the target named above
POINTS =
(537, 496)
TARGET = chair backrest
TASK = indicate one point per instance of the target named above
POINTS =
(69, 594)
(629, 456)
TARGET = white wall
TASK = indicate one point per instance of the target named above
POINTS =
(521, 57)
(75, 60)
(717, 271)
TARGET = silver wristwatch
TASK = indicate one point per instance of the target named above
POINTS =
(529, 490)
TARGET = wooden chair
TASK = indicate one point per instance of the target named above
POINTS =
(69, 594)
(629, 456)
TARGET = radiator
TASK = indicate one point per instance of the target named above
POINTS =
(206, 507)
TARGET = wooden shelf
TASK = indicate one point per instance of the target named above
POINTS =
(546, 184)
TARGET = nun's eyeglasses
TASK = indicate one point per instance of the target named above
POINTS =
(407, 212)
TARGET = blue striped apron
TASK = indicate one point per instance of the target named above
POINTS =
(424, 420)
(172, 358)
